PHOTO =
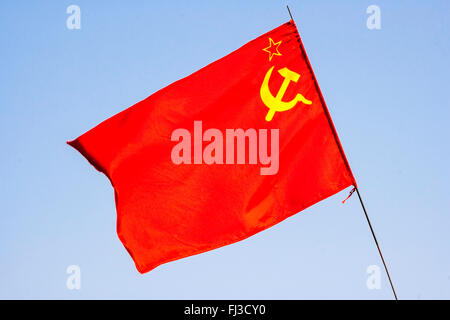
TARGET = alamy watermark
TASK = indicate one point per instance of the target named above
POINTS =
(251, 146)
(73, 281)
(374, 20)
(373, 281)
(74, 20)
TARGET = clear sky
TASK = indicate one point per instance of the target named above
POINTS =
(387, 91)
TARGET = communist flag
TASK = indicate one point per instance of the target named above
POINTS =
(220, 155)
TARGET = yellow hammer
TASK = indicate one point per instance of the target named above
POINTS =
(275, 103)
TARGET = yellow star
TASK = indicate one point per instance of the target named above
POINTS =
(272, 49)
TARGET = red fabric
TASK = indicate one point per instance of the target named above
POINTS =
(168, 211)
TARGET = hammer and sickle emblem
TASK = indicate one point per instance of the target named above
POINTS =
(275, 103)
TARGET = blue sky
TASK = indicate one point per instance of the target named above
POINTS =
(387, 91)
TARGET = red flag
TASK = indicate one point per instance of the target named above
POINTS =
(220, 155)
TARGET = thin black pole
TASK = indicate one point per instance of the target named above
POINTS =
(376, 242)
(345, 160)
(290, 13)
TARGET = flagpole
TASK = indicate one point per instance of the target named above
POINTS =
(290, 12)
(346, 163)
(376, 242)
